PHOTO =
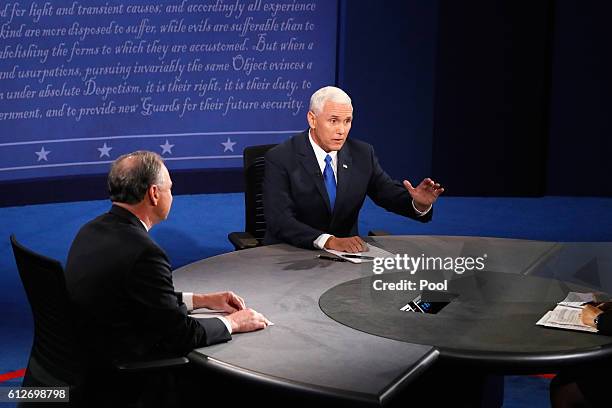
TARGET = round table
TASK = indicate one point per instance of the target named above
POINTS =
(307, 351)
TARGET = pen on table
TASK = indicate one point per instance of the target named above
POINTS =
(573, 306)
(358, 256)
(331, 258)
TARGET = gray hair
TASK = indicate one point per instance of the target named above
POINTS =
(132, 174)
(328, 93)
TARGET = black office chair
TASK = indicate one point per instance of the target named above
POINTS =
(57, 358)
(255, 222)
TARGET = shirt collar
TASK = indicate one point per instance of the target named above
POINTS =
(320, 153)
(144, 225)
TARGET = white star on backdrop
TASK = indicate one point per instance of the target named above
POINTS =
(229, 145)
(166, 147)
(104, 150)
(42, 155)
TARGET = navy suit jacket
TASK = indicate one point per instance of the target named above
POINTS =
(120, 283)
(296, 203)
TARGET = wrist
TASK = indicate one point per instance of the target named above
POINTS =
(200, 300)
(327, 244)
(420, 207)
(232, 323)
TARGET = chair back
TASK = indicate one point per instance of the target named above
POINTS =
(55, 358)
(254, 167)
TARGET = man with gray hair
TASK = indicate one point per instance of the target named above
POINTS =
(315, 182)
(120, 280)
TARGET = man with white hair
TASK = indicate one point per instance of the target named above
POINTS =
(315, 182)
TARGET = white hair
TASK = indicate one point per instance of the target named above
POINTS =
(327, 93)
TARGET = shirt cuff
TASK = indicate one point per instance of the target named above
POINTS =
(321, 240)
(226, 323)
(188, 300)
(420, 213)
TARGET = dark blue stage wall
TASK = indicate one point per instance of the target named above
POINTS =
(196, 81)
(580, 141)
(387, 64)
(489, 97)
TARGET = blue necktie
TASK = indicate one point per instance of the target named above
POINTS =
(330, 180)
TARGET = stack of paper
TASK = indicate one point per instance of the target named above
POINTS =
(566, 315)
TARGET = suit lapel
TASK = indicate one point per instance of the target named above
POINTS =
(311, 166)
(344, 169)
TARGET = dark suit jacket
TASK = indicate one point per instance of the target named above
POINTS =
(296, 203)
(120, 282)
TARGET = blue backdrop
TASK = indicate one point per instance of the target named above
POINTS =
(194, 80)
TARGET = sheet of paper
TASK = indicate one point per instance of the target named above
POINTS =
(371, 253)
(544, 319)
(207, 314)
(577, 299)
(566, 315)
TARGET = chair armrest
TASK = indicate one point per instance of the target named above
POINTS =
(161, 364)
(377, 233)
(242, 240)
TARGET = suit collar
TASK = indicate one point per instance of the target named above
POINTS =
(309, 161)
(303, 147)
(127, 215)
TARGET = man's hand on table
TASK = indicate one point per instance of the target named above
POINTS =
(241, 318)
(226, 301)
(350, 244)
(247, 320)
(589, 313)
